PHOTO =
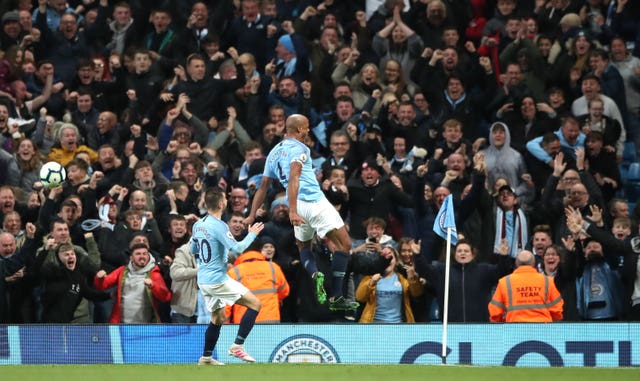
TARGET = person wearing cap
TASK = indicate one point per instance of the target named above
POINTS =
(573, 63)
(292, 59)
(592, 90)
(11, 33)
(526, 296)
(268, 247)
(511, 222)
(373, 195)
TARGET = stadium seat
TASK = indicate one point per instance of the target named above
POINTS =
(632, 186)
(632, 206)
(633, 173)
(624, 169)
(629, 154)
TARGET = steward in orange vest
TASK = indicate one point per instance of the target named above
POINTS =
(526, 296)
(267, 282)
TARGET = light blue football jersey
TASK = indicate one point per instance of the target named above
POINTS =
(210, 244)
(278, 167)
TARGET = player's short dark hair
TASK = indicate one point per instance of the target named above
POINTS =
(212, 197)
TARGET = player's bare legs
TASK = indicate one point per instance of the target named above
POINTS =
(253, 305)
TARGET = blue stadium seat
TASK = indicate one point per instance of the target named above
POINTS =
(629, 155)
(632, 185)
(633, 173)
(632, 206)
(624, 169)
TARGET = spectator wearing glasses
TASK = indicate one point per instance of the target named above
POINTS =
(238, 201)
(342, 155)
(578, 189)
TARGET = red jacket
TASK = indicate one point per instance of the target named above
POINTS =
(159, 291)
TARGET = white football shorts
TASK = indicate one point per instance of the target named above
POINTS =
(320, 217)
(219, 295)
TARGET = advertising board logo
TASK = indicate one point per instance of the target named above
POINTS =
(304, 349)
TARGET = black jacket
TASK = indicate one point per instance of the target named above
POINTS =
(470, 286)
(374, 201)
(63, 289)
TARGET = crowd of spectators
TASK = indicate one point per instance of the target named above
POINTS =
(523, 110)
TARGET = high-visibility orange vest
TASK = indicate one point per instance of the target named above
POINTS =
(526, 296)
(266, 281)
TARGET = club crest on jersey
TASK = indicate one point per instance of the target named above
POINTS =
(303, 157)
(230, 236)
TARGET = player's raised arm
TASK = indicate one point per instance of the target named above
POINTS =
(240, 247)
(293, 187)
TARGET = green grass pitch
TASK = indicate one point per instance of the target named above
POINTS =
(308, 372)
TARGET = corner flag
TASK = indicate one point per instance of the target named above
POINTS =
(446, 219)
(445, 227)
